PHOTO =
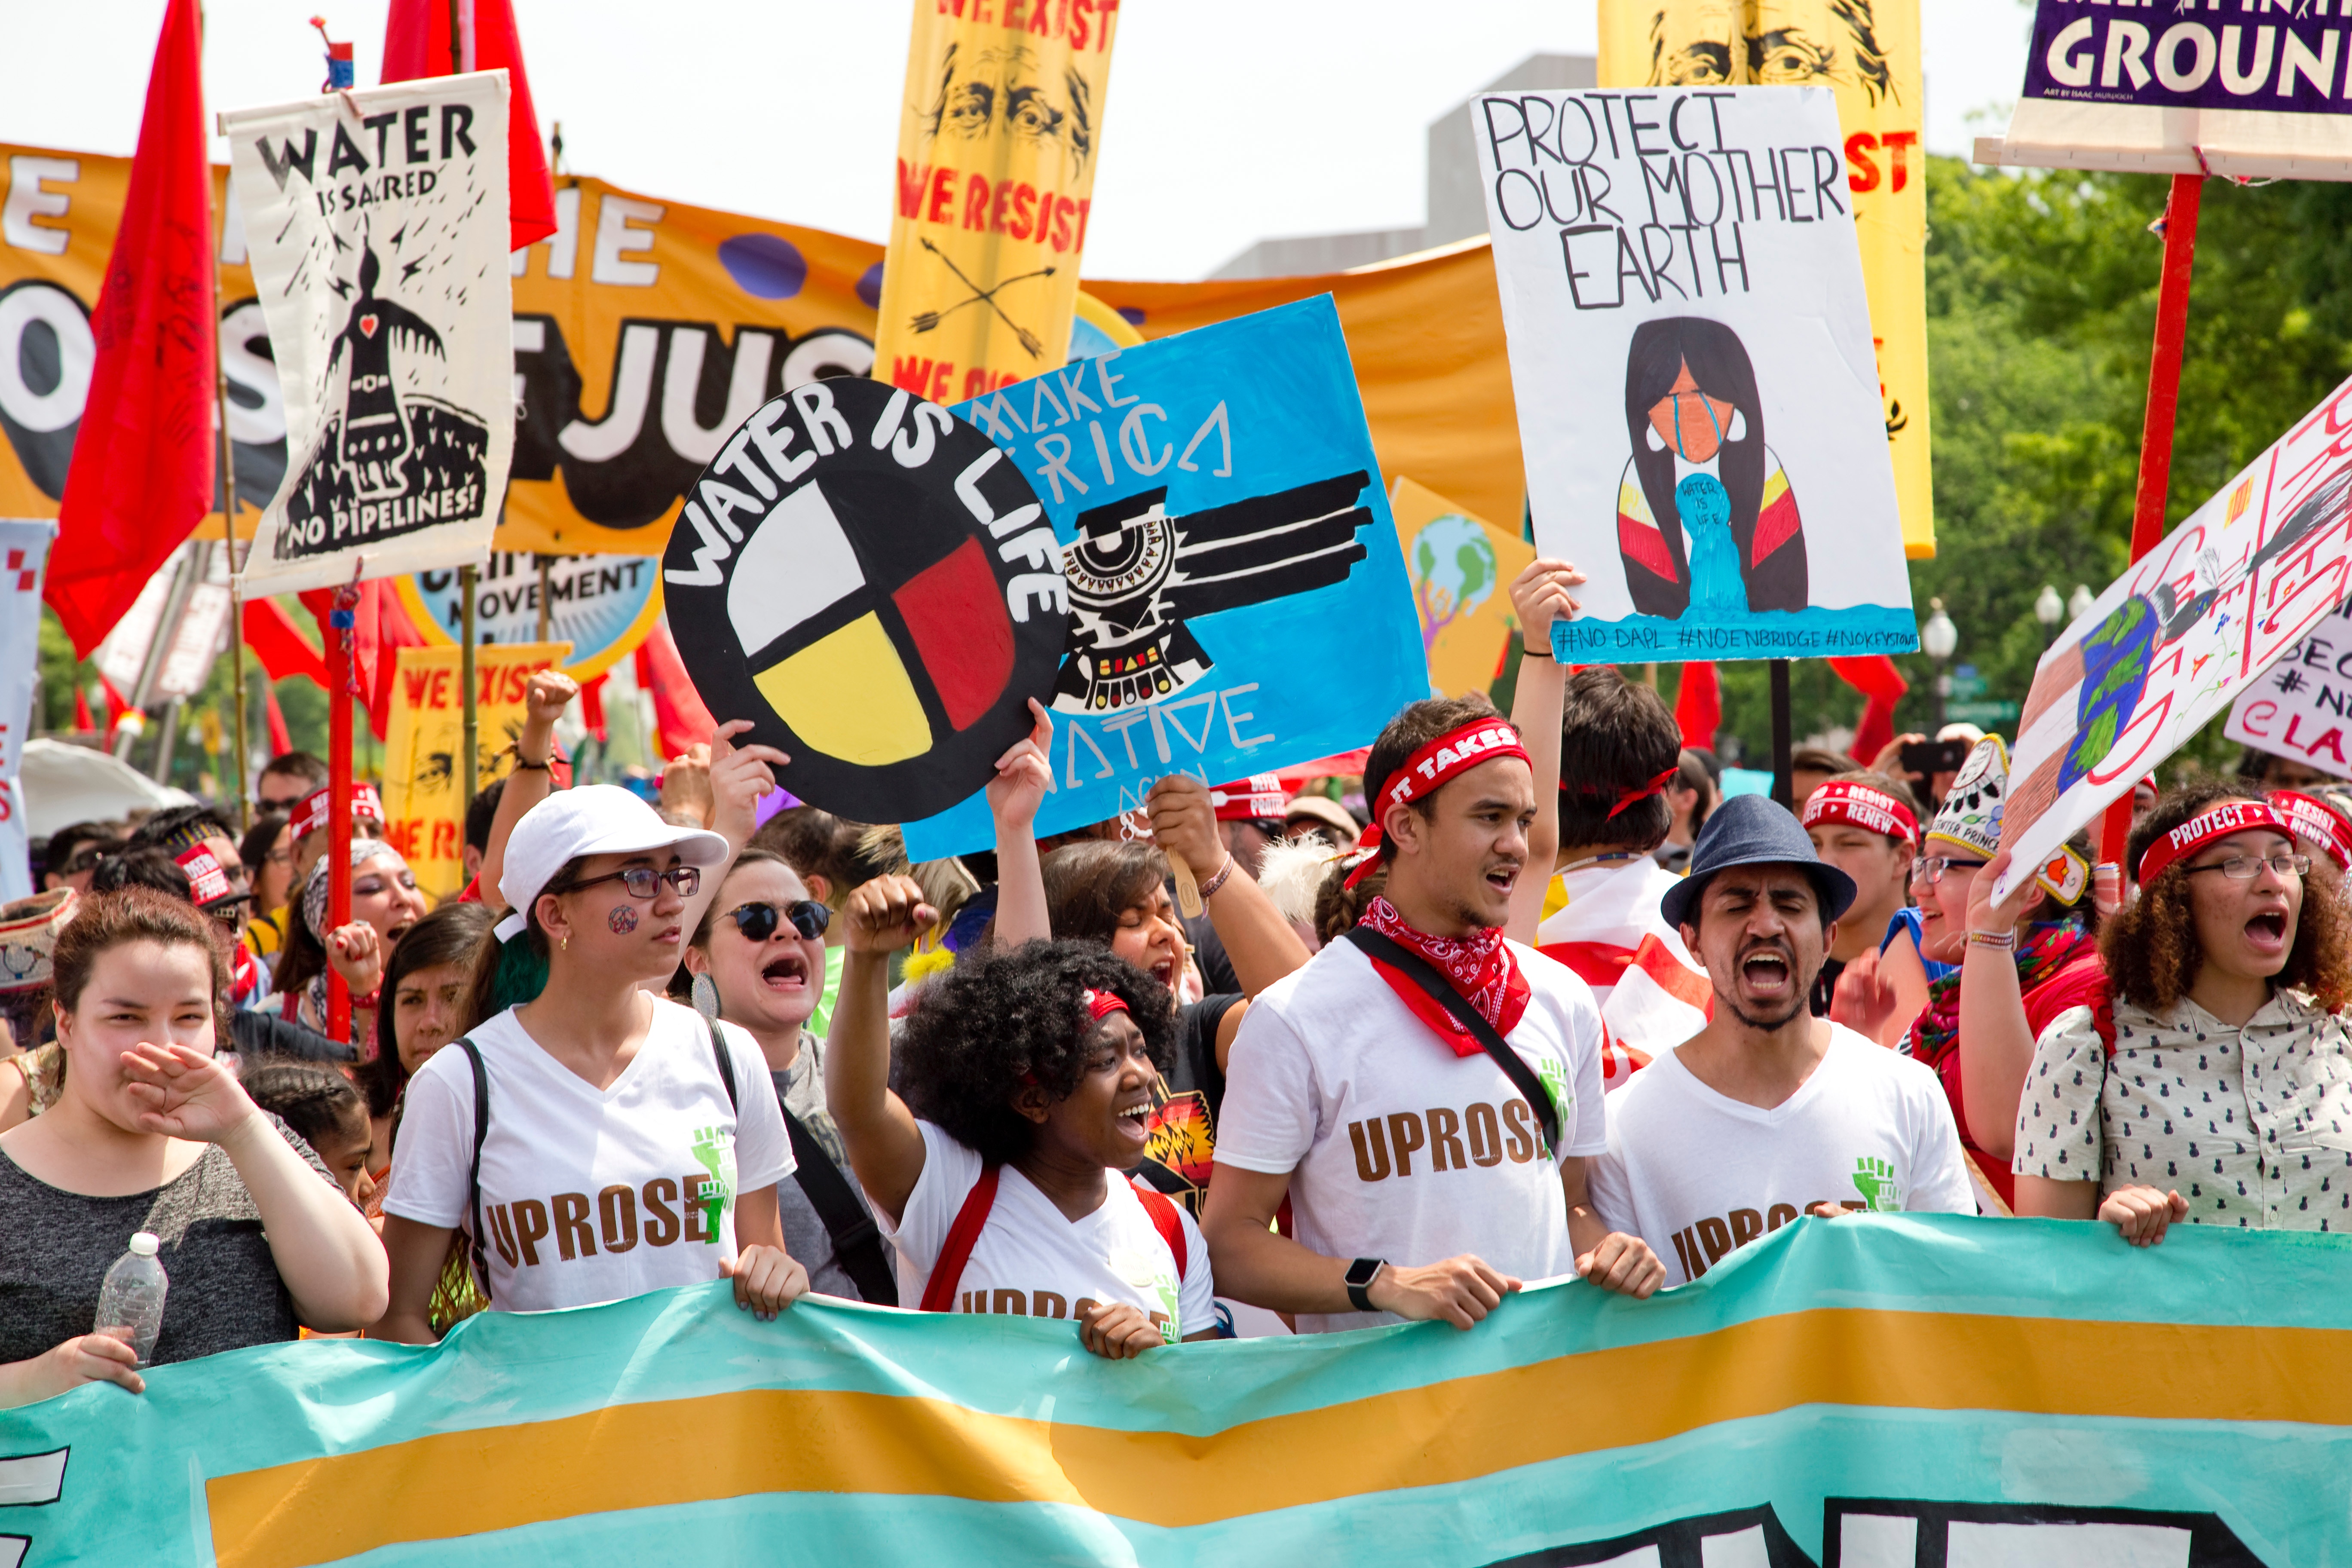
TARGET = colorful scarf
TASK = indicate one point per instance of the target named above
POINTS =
(1479, 967)
(2047, 947)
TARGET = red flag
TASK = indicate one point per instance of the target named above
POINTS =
(141, 475)
(380, 630)
(416, 44)
(281, 740)
(679, 718)
(271, 634)
(591, 707)
(83, 723)
(1883, 686)
(1699, 705)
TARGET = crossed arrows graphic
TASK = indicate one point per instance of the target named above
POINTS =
(925, 320)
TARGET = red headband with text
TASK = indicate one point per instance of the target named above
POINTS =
(2315, 821)
(311, 815)
(207, 878)
(1434, 767)
(2237, 816)
(1859, 805)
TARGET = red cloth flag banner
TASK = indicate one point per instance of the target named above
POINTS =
(380, 630)
(1882, 686)
(281, 738)
(271, 634)
(1699, 705)
(416, 44)
(142, 475)
(680, 720)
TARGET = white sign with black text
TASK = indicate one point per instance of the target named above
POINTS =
(377, 223)
(2297, 709)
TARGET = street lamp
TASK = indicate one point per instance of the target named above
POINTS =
(2079, 605)
(1939, 639)
(2049, 610)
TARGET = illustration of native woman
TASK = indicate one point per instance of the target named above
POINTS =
(1705, 520)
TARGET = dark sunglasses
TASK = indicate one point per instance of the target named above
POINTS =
(758, 922)
(644, 881)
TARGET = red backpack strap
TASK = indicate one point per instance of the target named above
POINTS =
(939, 1293)
(1168, 1222)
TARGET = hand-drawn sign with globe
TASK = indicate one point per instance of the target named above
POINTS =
(1454, 569)
(873, 583)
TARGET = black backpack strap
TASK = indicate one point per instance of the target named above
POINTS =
(474, 1171)
(725, 1068)
(1419, 971)
(856, 1240)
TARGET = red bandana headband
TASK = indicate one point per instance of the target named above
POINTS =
(1101, 1005)
(1860, 805)
(2315, 821)
(207, 878)
(1431, 769)
(1628, 799)
(311, 815)
(2237, 817)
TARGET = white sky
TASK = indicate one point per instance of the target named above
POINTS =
(1227, 121)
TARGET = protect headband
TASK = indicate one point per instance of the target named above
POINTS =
(2315, 821)
(311, 815)
(1860, 805)
(207, 878)
(1101, 1005)
(1431, 769)
(2237, 816)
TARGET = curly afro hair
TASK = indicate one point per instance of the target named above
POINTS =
(2151, 949)
(988, 1027)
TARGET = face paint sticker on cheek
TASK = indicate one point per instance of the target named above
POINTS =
(622, 919)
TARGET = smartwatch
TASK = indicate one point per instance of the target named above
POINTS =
(1361, 1275)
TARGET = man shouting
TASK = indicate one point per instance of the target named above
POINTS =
(1769, 1113)
(1424, 1092)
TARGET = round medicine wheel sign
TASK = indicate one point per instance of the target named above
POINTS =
(873, 583)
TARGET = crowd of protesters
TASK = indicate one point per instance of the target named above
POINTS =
(1534, 1002)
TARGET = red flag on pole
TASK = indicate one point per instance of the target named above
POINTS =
(141, 475)
(1699, 705)
(281, 741)
(681, 721)
(416, 43)
(1875, 676)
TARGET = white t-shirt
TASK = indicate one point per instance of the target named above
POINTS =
(591, 1196)
(1032, 1259)
(1697, 1175)
(1396, 1147)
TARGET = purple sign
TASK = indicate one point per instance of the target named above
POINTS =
(2269, 55)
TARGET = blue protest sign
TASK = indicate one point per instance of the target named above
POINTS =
(1238, 603)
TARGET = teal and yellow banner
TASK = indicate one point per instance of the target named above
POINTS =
(1887, 1391)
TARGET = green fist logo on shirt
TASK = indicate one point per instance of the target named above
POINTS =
(714, 1151)
(1874, 1180)
(1553, 1074)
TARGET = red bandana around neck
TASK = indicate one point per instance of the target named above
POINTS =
(1480, 968)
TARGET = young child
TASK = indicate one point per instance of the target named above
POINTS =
(326, 1109)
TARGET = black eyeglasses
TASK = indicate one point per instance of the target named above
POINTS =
(2246, 868)
(643, 882)
(758, 922)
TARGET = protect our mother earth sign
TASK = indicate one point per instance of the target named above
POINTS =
(1691, 355)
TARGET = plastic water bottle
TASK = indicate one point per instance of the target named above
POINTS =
(131, 1303)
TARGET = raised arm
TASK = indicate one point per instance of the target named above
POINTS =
(325, 1251)
(1539, 595)
(550, 694)
(1996, 1043)
(884, 1145)
(1258, 941)
(1024, 777)
(740, 775)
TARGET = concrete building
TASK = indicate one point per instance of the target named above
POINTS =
(1456, 208)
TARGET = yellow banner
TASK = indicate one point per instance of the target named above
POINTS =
(1867, 51)
(425, 739)
(998, 138)
(1461, 567)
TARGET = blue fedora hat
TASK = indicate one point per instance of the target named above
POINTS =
(1754, 830)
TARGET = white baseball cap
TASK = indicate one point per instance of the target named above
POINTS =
(591, 819)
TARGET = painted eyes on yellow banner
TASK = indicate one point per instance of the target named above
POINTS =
(869, 580)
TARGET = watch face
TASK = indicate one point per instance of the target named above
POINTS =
(869, 580)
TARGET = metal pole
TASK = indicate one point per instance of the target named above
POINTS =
(543, 605)
(2156, 431)
(468, 585)
(161, 772)
(339, 798)
(236, 594)
(1784, 778)
(175, 605)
